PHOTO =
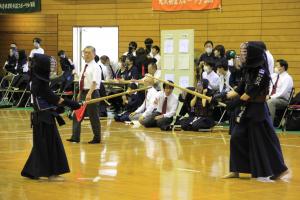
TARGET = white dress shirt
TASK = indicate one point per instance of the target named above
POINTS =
(25, 67)
(148, 105)
(34, 51)
(157, 74)
(105, 71)
(172, 104)
(284, 85)
(157, 57)
(213, 78)
(92, 74)
(270, 61)
(108, 74)
(156, 85)
(133, 53)
(224, 82)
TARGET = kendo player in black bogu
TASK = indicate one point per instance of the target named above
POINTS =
(254, 145)
(47, 157)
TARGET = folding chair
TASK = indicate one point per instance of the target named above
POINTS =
(27, 104)
(282, 122)
(5, 101)
(8, 90)
(25, 91)
(289, 111)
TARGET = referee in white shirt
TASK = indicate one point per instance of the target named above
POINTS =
(90, 79)
(166, 104)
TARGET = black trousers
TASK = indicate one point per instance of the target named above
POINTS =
(48, 155)
(255, 149)
(162, 123)
(93, 113)
(21, 80)
(65, 80)
(193, 123)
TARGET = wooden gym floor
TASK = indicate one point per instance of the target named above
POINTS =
(137, 163)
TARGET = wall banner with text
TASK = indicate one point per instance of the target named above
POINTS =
(176, 5)
(20, 6)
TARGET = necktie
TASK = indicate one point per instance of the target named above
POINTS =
(143, 70)
(275, 86)
(81, 84)
(164, 107)
(224, 84)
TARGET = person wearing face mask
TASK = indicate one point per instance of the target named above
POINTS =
(208, 46)
(200, 114)
(224, 74)
(280, 87)
(13, 45)
(219, 54)
(224, 87)
(37, 48)
(254, 146)
(120, 73)
(132, 47)
(210, 75)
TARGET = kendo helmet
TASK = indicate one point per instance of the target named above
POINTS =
(255, 55)
(41, 67)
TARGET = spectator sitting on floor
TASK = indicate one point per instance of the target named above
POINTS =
(131, 103)
(147, 106)
(166, 105)
(200, 115)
